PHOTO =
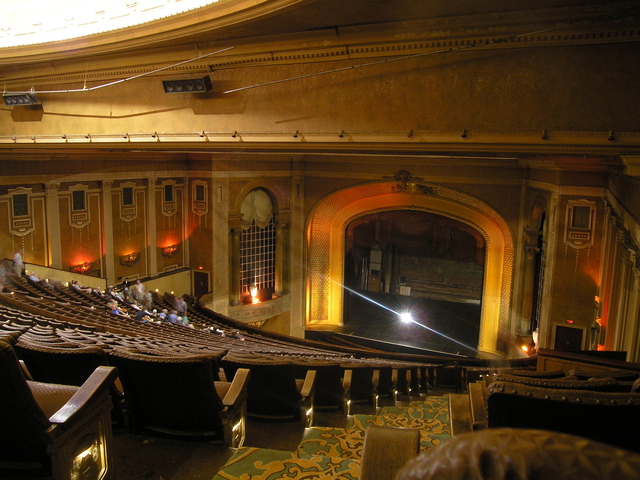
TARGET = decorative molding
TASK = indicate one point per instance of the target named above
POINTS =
(83, 267)
(260, 312)
(580, 223)
(573, 25)
(324, 250)
(169, 250)
(129, 259)
(407, 183)
(586, 144)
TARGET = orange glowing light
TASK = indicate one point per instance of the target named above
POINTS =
(81, 268)
(169, 250)
(253, 290)
(129, 259)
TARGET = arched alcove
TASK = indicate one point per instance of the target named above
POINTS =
(325, 248)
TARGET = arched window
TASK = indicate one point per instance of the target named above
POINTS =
(258, 246)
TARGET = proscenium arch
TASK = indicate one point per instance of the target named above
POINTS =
(325, 251)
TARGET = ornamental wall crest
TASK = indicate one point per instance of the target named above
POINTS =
(407, 183)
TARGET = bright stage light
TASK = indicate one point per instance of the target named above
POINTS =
(406, 317)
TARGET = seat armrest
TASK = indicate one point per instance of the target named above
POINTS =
(309, 381)
(376, 379)
(346, 380)
(96, 386)
(25, 370)
(238, 386)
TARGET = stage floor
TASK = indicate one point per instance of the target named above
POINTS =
(439, 325)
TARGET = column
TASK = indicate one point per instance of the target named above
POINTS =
(53, 224)
(153, 235)
(528, 302)
(107, 242)
(234, 274)
(280, 286)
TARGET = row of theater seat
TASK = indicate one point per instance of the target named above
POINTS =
(599, 405)
(340, 378)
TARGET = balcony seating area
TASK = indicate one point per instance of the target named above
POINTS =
(215, 372)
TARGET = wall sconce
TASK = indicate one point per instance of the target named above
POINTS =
(169, 250)
(129, 259)
(81, 267)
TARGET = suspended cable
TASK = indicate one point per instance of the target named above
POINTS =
(85, 89)
(437, 52)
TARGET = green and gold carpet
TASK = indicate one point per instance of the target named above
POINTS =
(328, 452)
(250, 463)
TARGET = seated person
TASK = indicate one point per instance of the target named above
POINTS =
(111, 292)
(143, 316)
(173, 318)
(36, 279)
(236, 334)
(114, 309)
(78, 288)
(98, 293)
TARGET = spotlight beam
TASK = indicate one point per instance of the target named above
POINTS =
(410, 320)
(443, 335)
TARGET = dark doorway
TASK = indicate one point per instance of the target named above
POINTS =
(200, 283)
(568, 338)
(419, 261)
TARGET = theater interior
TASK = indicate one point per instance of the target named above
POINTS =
(395, 225)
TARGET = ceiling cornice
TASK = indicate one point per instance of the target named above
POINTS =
(523, 29)
(601, 145)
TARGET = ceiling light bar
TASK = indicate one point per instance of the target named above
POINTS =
(192, 85)
(20, 99)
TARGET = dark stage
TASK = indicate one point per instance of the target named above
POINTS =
(444, 327)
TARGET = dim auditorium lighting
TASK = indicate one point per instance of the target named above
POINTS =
(406, 317)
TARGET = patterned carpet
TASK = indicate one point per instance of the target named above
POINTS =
(331, 453)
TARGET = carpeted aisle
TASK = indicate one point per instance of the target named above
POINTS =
(331, 453)
(263, 464)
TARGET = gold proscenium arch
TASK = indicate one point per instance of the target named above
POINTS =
(325, 250)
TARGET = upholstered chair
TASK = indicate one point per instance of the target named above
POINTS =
(608, 417)
(54, 430)
(274, 392)
(178, 396)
